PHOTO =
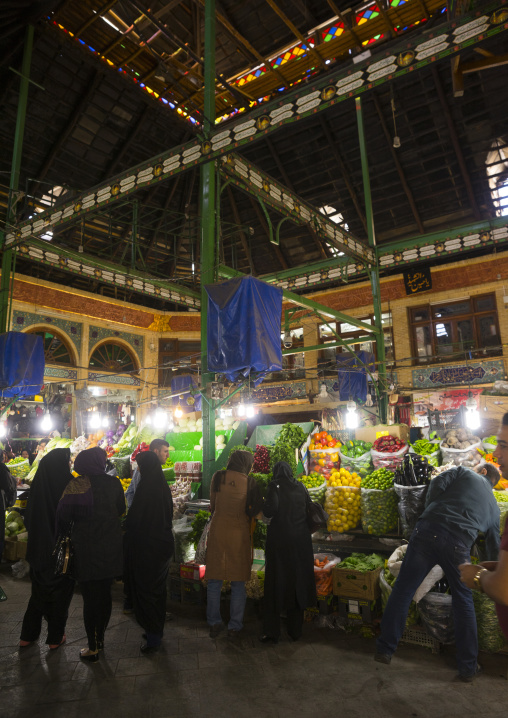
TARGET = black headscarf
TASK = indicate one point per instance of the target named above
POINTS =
(77, 499)
(51, 479)
(282, 473)
(151, 511)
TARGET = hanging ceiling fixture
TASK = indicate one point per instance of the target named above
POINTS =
(351, 415)
(396, 138)
(472, 413)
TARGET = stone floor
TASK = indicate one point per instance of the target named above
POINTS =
(327, 673)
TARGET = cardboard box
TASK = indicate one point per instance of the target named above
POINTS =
(192, 571)
(358, 611)
(10, 549)
(356, 584)
(371, 433)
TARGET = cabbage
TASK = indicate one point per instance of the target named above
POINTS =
(12, 526)
(12, 516)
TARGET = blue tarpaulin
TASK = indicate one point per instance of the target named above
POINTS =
(180, 383)
(21, 364)
(353, 376)
(243, 332)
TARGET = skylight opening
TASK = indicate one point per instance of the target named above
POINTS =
(497, 173)
(335, 216)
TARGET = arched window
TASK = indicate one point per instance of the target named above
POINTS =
(55, 349)
(497, 172)
(112, 357)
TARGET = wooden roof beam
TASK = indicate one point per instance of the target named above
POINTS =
(243, 237)
(296, 32)
(102, 11)
(456, 144)
(347, 23)
(332, 144)
(319, 245)
(234, 32)
(396, 162)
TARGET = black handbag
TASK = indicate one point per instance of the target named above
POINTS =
(63, 553)
(317, 518)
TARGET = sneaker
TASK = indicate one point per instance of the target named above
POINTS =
(470, 679)
(216, 629)
(383, 658)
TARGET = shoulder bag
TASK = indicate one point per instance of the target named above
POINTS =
(317, 517)
(63, 553)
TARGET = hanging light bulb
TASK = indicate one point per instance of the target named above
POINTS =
(95, 420)
(178, 413)
(105, 421)
(46, 423)
(160, 419)
(240, 409)
(249, 411)
(222, 413)
(472, 413)
(3, 429)
(351, 415)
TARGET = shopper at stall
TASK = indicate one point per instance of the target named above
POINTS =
(160, 447)
(51, 595)
(458, 506)
(234, 500)
(148, 546)
(289, 571)
(7, 496)
(94, 501)
(491, 577)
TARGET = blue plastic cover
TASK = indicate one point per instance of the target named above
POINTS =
(353, 376)
(21, 364)
(180, 383)
(243, 332)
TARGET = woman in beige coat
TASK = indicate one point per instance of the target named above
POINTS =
(234, 500)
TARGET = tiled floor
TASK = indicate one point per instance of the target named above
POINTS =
(327, 673)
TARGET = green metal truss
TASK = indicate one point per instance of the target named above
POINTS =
(249, 178)
(304, 102)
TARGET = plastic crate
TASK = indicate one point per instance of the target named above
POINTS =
(193, 592)
(419, 637)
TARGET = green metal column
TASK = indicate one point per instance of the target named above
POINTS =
(208, 253)
(374, 272)
(7, 256)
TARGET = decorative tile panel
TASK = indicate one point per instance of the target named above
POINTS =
(73, 330)
(483, 372)
(61, 373)
(99, 334)
(114, 379)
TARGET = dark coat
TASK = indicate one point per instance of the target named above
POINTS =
(289, 569)
(97, 539)
(7, 495)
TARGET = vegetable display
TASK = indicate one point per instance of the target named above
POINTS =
(490, 440)
(19, 467)
(355, 448)
(387, 452)
(198, 524)
(291, 435)
(460, 447)
(323, 440)
(363, 562)
(415, 470)
(262, 480)
(379, 508)
(425, 447)
(388, 444)
(261, 463)
(14, 525)
(387, 581)
(490, 636)
(282, 452)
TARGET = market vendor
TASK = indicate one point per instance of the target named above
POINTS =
(459, 504)
(491, 577)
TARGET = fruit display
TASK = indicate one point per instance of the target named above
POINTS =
(343, 501)
(19, 467)
(379, 479)
(355, 456)
(126, 482)
(430, 449)
(489, 442)
(379, 503)
(315, 486)
(387, 452)
(460, 447)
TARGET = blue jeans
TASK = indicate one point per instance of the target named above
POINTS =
(237, 608)
(432, 544)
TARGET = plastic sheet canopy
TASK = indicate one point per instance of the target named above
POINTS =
(21, 364)
(187, 401)
(243, 332)
(352, 375)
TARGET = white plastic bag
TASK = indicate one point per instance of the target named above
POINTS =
(435, 574)
(20, 569)
(386, 460)
(462, 457)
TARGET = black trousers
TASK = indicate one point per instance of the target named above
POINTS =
(50, 599)
(97, 606)
(294, 622)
